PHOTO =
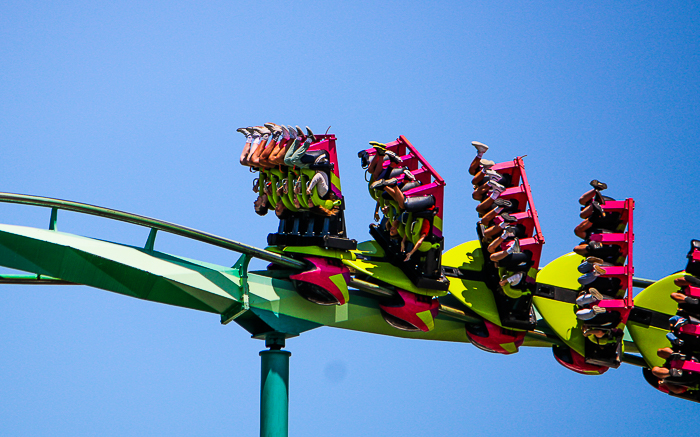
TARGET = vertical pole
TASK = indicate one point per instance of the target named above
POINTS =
(274, 388)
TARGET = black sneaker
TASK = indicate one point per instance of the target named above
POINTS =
(692, 280)
(596, 184)
(364, 158)
(508, 218)
(393, 157)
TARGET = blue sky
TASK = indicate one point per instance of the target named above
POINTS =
(135, 107)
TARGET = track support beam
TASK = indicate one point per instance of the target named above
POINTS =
(274, 387)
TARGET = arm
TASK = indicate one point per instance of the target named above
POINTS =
(415, 247)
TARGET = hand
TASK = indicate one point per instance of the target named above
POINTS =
(408, 257)
(376, 216)
(403, 247)
(308, 192)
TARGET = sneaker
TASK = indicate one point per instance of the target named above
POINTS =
(496, 186)
(598, 269)
(676, 322)
(595, 293)
(594, 260)
(515, 247)
(391, 182)
(597, 185)
(589, 313)
(292, 132)
(491, 175)
(514, 278)
(691, 300)
(364, 158)
(310, 134)
(379, 183)
(245, 130)
(480, 147)
(408, 174)
(276, 129)
(502, 203)
(509, 232)
(587, 278)
(379, 147)
(300, 133)
(507, 217)
(393, 157)
(692, 280)
(487, 163)
(676, 373)
(262, 130)
(674, 340)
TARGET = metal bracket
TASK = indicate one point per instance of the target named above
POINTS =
(54, 219)
(151, 240)
(241, 267)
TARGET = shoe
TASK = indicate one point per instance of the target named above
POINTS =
(285, 132)
(491, 175)
(391, 182)
(676, 322)
(594, 245)
(364, 158)
(595, 293)
(487, 163)
(587, 278)
(590, 312)
(514, 278)
(691, 300)
(310, 134)
(502, 203)
(274, 128)
(480, 147)
(379, 183)
(597, 185)
(244, 130)
(409, 175)
(379, 147)
(598, 269)
(515, 247)
(509, 232)
(674, 340)
(507, 217)
(300, 133)
(496, 186)
(262, 130)
(393, 157)
(292, 132)
(695, 282)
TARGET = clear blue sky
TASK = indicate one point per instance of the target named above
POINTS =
(135, 107)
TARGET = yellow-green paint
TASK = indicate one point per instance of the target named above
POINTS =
(427, 318)
(477, 297)
(510, 347)
(561, 316)
(314, 251)
(656, 297)
(339, 282)
(390, 274)
(467, 256)
(370, 249)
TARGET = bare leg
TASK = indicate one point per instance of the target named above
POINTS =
(255, 158)
(675, 389)
(664, 353)
(485, 205)
(397, 195)
(480, 192)
(246, 150)
(475, 166)
(661, 372)
(586, 197)
(581, 229)
(495, 244)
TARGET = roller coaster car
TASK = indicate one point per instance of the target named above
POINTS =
(492, 338)
(692, 394)
(516, 312)
(304, 228)
(576, 362)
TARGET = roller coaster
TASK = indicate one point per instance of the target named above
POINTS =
(491, 292)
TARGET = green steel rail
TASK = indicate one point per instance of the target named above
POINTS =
(154, 224)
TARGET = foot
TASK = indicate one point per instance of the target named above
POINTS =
(379, 147)
(496, 186)
(509, 232)
(245, 130)
(274, 128)
(594, 260)
(487, 163)
(393, 157)
(480, 147)
(364, 158)
(408, 174)
(262, 130)
(300, 133)
(507, 217)
(292, 132)
(596, 184)
(310, 134)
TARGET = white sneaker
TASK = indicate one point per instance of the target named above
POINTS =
(480, 147)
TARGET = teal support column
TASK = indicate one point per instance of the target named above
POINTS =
(274, 388)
